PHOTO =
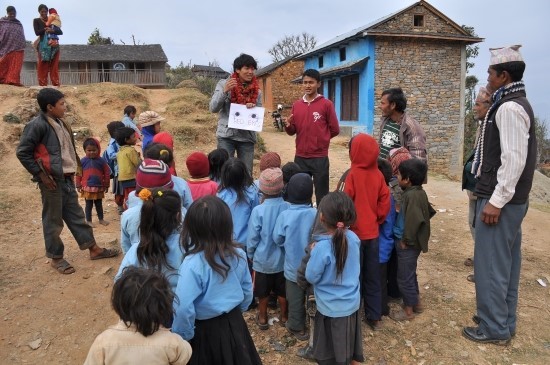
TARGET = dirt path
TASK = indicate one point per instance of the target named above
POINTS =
(65, 313)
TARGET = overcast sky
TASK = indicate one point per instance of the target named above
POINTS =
(203, 31)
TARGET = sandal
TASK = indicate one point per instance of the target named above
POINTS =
(299, 335)
(63, 267)
(105, 254)
(471, 278)
(262, 326)
(401, 316)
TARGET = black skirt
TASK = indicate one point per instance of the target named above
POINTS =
(223, 340)
(117, 187)
(337, 340)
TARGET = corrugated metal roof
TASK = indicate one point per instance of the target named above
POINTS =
(105, 53)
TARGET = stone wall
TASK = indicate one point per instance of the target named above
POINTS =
(430, 72)
(282, 90)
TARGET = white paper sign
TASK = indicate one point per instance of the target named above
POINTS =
(240, 117)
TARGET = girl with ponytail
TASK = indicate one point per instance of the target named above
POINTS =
(159, 229)
(333, 270)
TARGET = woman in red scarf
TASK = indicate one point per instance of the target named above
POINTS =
(51, 65)
(12, 48)
(241, 88)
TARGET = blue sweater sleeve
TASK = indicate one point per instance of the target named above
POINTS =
(254, 231)
(130, 259)
(246, 284)
(386, 233)
(399, 225)
(279, 232)
(188, 289)
(316, 265)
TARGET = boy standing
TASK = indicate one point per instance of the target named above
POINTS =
(314, 122)
(48, 152)
(412, 233)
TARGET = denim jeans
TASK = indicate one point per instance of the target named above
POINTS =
(245, 150)
(370, 279)
(406, 273)
(58, 206)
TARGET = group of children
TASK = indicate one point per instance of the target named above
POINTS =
(220, 241)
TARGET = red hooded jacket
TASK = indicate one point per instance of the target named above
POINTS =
(366, 186)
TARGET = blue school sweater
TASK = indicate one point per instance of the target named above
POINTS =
(385, 239)
(292, 231)
(203, 294)
(267, 257)
(182, 188)
(240, 212)
(335, 297)
(111, 151)
(174, 257)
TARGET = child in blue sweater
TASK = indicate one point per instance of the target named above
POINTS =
(292, 231)
(267, 257)
(333, 270)
(158, 248)
(240, 194)
(214, 287)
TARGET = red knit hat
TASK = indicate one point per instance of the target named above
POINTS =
(198, 165)
(270, 160)
(164, 138)
(396, 156)
(271, 181)
(153, 174)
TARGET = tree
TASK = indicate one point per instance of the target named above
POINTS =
(291, 45)
(96, 38)
(470, 124)
(543, 144)
(136, 43)
(471, 50)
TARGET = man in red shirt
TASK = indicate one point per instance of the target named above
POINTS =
(314, 122)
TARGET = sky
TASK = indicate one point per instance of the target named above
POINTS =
(200, 32)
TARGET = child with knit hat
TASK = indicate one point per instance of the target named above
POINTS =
(267, 161)
(199, 182)
(149, 121)
(166, 139)
(291, 232)
(267, 257)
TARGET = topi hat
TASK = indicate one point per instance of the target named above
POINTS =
(270, 160)
(505, 54)
(396, 156)
(271, 181)
(149, 118)
(198, 165)
(153, 174)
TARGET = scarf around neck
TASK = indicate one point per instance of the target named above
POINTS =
(244, 93)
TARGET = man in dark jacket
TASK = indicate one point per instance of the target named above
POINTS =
(504, 164)
(48, 152)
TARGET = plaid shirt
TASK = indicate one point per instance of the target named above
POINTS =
(411, 135)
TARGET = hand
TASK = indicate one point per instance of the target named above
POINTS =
(230, 84)
(250, 105)
(288, 121)
(48, 182)
(490, 214)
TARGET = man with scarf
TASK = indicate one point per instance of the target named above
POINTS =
(504, 164)
(12, 48)
(240, 88)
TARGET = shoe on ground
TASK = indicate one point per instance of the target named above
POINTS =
(419, 308)
(305, 353)
(476, 335)
(471, 278)
(375, 325)
(477, 320)
(299, 335)
(401, 316)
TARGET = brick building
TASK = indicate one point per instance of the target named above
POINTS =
(418, 49)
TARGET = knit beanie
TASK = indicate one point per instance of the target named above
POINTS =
(198, 165)
(270, 160)
(149, 118)
(299, 189)
(396, 156)
(153, 174)
(164, 138)
(271, 181)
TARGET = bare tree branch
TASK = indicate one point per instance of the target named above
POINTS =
(291, 45)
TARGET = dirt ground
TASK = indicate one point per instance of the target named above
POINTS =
(48, 318)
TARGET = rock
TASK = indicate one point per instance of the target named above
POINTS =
(35, 344)
(106, 270)
(11, 118)
(464, 354)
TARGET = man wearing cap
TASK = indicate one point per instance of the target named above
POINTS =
(504, 164)
(240, 88)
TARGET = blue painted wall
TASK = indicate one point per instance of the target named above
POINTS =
(355, 50)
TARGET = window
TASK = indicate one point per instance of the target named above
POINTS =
(350, 98)
(321, 61)
(418, 20)
(342, 54)
(332, 90)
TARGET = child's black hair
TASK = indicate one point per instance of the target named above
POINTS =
(48, 96)
(129, 109)
(143, 298)
(385, 168)
(338, 212)
(208, 227)
(216, 159)
(90, 142)
(160, 217)
(122, 134)
(159, 151)
(113, 126)
(235, 176)
(290, 169)
(244, 60)
(413, 169)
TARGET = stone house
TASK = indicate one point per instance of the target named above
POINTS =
(214, 72)
(274, 81)
(418, 49)
(80, 64)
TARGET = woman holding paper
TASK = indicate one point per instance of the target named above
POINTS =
(240, 88)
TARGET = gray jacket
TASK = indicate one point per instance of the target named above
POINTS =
(220, 104)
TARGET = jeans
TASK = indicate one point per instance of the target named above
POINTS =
(370, 279)
(406, 273)
(318, 168)
(58, 206)
(245, 151)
